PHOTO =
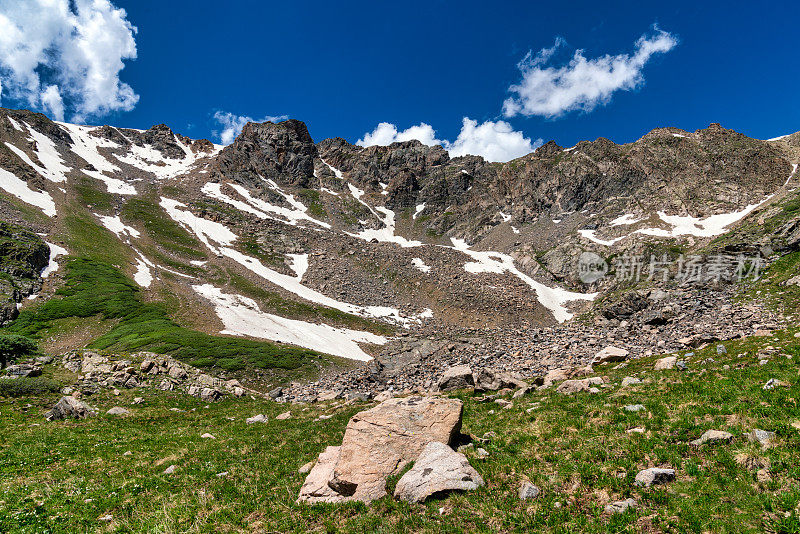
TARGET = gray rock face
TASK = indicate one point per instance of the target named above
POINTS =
(654, 476)
(69, 407)
(282, 152)
(438, 468)
(458, 377)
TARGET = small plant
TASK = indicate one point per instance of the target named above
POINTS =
(13, 346)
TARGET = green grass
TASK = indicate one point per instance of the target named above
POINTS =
(64, 476)
(93, 288)
(168, 234)
(86, 238)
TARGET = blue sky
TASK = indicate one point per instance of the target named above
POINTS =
(345, 67)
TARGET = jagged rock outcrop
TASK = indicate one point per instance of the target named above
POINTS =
(283, 152)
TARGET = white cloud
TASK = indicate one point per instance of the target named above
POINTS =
(583, 83)
(232, 125)
(66, 54)
(386, 133)
(494, 141)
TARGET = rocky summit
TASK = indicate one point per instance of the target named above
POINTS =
(290, 334)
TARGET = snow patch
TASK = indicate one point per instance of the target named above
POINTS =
(419, 264)
(19, 188)
(299, 265)
(387, 233)
(115, 225)
(242, 316)
(204, 229)
(143, 276)
(420, 208)
(552, 298)
(589, 234)
(52, 266)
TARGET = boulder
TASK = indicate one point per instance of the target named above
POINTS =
(491, 380)
(380, 441)
(555, 375)
(117, 410)
(569, 387)
(630, 381)
(438, 468)
(666, 363)
(457, 377)
(654, 476)
(609, 355)
(69, 407)
(713, 436)
(315, 489)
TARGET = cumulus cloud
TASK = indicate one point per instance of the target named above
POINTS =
(582, 84)
(386, 133)
(59, 55)
(494, 141)
(232, 125)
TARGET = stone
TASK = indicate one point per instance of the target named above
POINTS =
(634, 408)
(315, 489)
(773, 383)
(169, 470)
(481, 453)
(380, 441)
(283, 416)
(177, 372)
(118, 410)
(713, 436)
(555, 375)
(260, 418)
(569, 387)
(654, 476)
(306, 468)
(138, 400)
(681, 365)
(721, 349)
(457, 377)
(491, 380)
(275, 393)
(630, 381)
(763, 437)
(438, 468)
(666, 363)
(609, 355)
(69, 407)
(238, 391)
(528, 490)
(23, 370)
(208, 436)
(146, 365)
(620, 507)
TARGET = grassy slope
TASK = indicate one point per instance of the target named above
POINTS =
(575, 448)
(94, 288)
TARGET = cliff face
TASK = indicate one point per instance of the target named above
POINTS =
(23, 255)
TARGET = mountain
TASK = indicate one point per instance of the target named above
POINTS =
(276, 257)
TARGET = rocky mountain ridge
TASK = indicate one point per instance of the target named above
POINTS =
(337, 248)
